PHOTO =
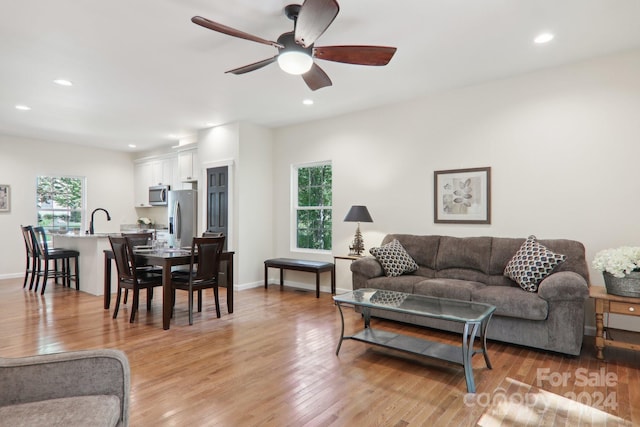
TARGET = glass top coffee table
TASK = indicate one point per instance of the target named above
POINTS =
(475, 317)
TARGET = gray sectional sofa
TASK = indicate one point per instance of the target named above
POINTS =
(471, 268)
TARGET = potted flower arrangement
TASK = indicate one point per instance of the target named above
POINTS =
(621, 270)
(143, 222)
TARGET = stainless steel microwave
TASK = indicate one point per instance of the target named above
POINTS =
(158, 195)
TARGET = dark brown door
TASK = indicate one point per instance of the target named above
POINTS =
(217, 185)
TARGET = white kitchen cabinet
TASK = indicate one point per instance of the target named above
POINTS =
(188, 166)
(162, 171)
(142, 176)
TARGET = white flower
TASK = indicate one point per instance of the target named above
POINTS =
(144, 220)
(618, 262)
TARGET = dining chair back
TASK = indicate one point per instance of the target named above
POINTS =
(215, 234)
(45, 255)
(139, 239)
(32, 256)
(131, 277)
(203, 271)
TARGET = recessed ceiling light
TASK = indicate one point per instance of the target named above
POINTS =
(132, 145)
(209, 125)
(308, 102)
(23, 107)
(172, 136)
(543, 38)
(63, 82)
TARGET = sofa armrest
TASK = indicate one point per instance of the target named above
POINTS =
(368, 267)
(364, 269)
(68, 374)
(563, 286)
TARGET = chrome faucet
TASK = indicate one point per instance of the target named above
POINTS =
(93, 213)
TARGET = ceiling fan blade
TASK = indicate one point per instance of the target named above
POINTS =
(361, 55)
(314, 18)
(316, 78)
(204, 22)
(253, 67)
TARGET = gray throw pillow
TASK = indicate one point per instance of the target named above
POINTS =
(531, 264)
(394, 259)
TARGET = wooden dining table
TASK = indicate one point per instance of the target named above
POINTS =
(167, 259)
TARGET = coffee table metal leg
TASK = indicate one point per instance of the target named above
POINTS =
(341, 328)
(483, 331)
(467, 352)
(366, 314)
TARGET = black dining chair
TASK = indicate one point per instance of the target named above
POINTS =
(130, 277)
(203, 273)
(46, 255)
(32, 256)
(141, 239)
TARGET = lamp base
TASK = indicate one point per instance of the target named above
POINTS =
(357, 247)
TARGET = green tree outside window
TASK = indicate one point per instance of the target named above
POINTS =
(313, 207)
(60, 203)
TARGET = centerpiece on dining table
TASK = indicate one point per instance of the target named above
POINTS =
(621, 270)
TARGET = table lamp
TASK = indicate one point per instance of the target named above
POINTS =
(357, 214)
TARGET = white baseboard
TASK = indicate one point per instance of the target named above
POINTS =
(11, 276)
(306, 286)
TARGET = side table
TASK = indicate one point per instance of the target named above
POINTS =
(608, 303)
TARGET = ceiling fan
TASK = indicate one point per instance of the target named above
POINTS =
(296, 49)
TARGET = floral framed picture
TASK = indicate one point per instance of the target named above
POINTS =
(462, 196)
(5, 198)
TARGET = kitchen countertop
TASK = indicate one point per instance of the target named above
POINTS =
(89, 236)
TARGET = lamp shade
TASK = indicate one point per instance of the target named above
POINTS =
(358, 214)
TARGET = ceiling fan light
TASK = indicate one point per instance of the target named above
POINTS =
(295, 62)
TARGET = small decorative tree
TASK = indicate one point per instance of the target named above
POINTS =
(358, 244)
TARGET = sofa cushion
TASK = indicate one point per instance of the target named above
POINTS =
(532, 263)
(471, 253)
(403, 283)
(512, 302)
(394, 259)
(447, 288)
(79, 411)
(423, 249)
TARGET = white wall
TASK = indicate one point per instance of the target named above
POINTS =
(563, 145)
(247, 150)
(109, 184)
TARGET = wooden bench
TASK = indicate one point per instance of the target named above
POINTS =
(301, 265)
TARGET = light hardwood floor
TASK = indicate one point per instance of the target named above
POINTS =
(273, 363)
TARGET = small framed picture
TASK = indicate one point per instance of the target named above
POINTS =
(462, 196)
(5, 198)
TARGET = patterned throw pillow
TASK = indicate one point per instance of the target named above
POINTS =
(532, 263)
(394, 259)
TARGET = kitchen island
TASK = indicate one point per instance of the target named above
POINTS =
(91, 248)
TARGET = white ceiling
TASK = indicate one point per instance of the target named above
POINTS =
(141, 70)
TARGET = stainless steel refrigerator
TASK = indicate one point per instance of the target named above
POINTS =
(182, 209)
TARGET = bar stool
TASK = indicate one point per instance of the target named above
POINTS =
(45, 255)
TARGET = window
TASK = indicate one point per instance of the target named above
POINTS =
(312, 205)
(60, 203)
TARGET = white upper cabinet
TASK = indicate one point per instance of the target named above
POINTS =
(162, 171)
(188, 166)
(173, 170)
(142, 175)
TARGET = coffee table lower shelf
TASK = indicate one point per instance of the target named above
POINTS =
(422, 347)
(474, 317)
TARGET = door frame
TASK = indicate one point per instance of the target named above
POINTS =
(230, 164)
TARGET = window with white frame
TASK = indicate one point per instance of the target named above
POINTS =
(312, 199)
(60, 203)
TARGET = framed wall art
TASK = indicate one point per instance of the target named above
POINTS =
(5, 198)
(462, 196)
